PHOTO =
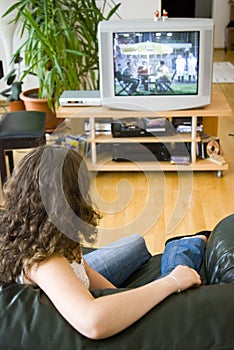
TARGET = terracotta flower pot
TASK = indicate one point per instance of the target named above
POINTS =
(16, 106)
(33, 103)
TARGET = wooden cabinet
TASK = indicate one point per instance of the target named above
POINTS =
(101, 161)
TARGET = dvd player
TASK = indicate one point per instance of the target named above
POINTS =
(140, 152)
(80, 98)
(137, 127)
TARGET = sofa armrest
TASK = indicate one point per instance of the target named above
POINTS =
(220, 252)
(198, 318)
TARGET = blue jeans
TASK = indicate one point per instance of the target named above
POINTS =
(119, 260)
(188, 252)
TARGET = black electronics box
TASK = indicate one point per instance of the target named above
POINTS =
(137, 127)
(178, 152)
(184, 124)
(150, 151)
(140, 152)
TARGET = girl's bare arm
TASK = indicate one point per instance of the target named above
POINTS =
(105, 316)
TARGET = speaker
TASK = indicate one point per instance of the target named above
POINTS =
(207, 147)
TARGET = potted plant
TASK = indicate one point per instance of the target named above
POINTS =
(61, 45)
(13, 80)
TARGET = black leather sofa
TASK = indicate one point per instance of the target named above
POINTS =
(199, 318)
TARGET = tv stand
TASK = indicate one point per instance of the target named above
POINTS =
(219, 107)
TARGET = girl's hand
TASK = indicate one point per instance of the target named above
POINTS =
(184, 277)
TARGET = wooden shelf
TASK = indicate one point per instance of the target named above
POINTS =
(219, 107)
(148, 139)
(106, 164)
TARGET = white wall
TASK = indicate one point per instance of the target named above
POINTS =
(220, 14)
(139, 8)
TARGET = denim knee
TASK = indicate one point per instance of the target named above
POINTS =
(118, 260)
(188, 252)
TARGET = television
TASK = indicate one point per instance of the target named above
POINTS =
(156, 65)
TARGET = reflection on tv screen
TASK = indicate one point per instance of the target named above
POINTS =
(156, 63)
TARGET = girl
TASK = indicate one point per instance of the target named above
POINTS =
(49, 215)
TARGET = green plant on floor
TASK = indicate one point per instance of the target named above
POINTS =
(61, 48)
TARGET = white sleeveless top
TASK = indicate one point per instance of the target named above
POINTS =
(79, 270)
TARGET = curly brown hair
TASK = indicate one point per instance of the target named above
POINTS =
(48, 210)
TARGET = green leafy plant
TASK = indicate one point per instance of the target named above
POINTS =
(61, 46)
(13, 80)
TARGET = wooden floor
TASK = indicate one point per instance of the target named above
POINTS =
(159, 206)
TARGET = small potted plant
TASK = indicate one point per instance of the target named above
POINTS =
(12, 93)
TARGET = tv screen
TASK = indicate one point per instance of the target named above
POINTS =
(153, 63)
(162, 66)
